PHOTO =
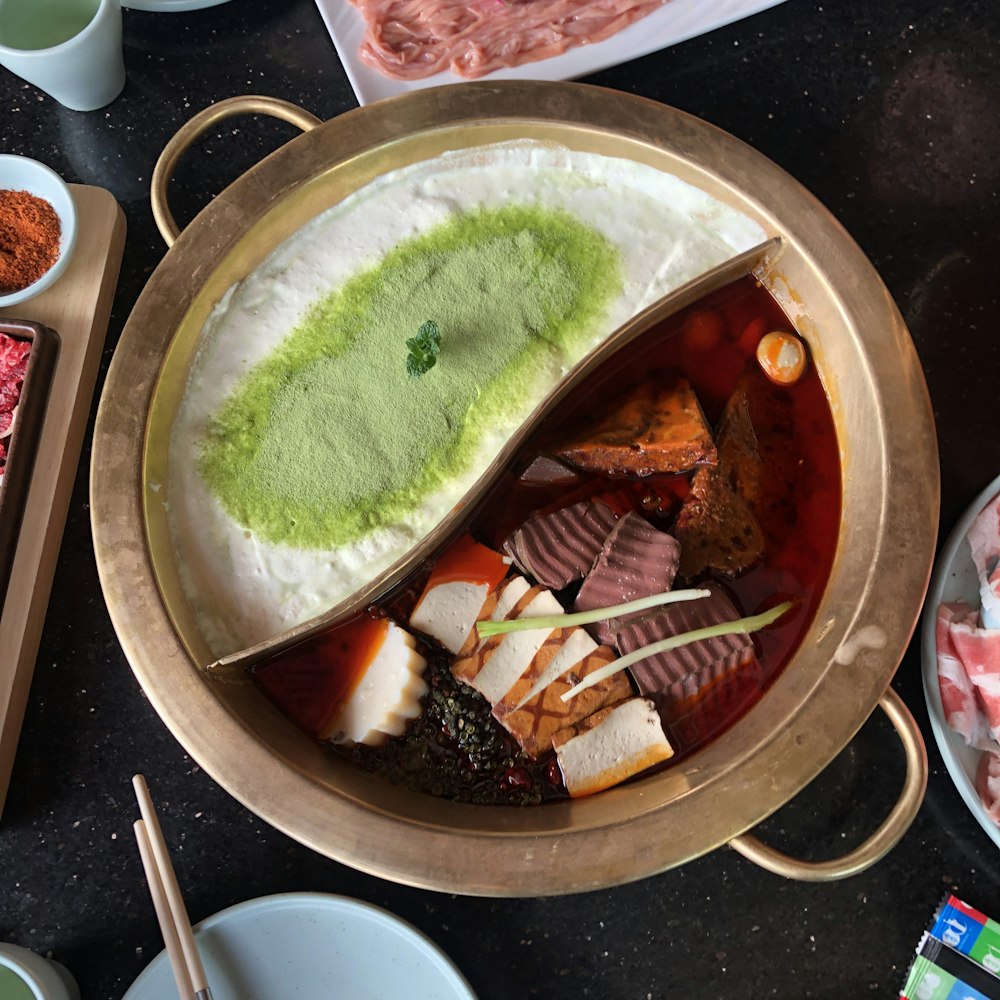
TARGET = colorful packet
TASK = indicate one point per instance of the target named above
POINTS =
(972, 933)
(941, 973)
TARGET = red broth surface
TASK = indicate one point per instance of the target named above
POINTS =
(456, 749)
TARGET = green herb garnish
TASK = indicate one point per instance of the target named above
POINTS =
(424, 349)
(742, 626)
(488, 628)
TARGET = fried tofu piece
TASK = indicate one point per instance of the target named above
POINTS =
(610, 746)
(454, 595)
(493, 665)
(658, 429)
(559, 665)
(717, 527)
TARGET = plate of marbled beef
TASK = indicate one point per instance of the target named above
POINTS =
(27, 361)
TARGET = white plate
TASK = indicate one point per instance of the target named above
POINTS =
(170, 5)
(304, 944)
(955, 579)
(675, 21)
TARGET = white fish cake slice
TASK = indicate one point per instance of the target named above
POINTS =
(387, 696)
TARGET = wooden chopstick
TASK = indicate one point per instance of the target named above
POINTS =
(174, 921)
(162, 907)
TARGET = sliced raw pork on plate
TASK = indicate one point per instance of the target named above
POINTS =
(963, 710)
(988, 784)
(984, 541)
(977, 652)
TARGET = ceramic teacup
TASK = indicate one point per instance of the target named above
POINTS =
(71, 49)
(23, 974)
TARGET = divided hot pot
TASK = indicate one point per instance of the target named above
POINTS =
(842, 668)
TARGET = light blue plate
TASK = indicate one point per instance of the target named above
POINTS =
(955, 579)
(310, 945)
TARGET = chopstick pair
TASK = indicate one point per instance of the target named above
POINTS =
(167, 900)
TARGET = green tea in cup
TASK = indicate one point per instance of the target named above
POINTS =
(41, 24)
(13, 987)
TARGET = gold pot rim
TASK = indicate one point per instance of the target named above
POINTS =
(865, 620)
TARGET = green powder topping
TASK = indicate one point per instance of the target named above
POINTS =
(328, 437)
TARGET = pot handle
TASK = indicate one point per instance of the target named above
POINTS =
(202, 122)
(888, 834)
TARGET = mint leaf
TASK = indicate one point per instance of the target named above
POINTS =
(423, 349)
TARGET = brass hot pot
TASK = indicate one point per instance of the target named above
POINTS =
(840, 673)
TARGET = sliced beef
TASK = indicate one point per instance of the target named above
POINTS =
(635, 561)
(659, 428)
(681, 673)
(560, 547)
(545, 471)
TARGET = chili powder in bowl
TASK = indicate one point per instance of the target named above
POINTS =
(37, 227)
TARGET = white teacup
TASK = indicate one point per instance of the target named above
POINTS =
(71, 49)
(28, 975)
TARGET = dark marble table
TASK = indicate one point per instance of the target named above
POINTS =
(890, 113)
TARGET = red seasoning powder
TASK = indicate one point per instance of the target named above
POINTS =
(29, 239)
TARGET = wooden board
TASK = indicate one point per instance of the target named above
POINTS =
(77, 307)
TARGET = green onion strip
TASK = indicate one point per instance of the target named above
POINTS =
(488, 628)
(742, 626)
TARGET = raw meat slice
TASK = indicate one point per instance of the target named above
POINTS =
(412, 39)
(979, 651)
(962, 709)
(681, 673)
(560, 547)
(988, 784)
(635, 561)
(984, 542)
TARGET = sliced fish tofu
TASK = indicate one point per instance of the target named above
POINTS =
(387, 695)
(360, 683)
(456, 591)
(610, 746)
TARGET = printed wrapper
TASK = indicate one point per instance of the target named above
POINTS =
(970, 932)
(939, 972)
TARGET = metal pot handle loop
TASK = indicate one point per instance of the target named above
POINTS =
(200, 123)
(888, 834)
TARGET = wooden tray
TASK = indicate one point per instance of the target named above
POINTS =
(27, 430)
(78, 307)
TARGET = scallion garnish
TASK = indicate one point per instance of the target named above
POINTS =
(741, 626)
(488, 628)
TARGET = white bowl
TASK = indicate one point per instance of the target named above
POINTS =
(18, 173)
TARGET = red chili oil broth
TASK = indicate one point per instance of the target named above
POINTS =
(713, 344)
